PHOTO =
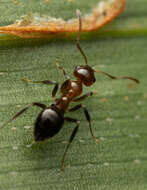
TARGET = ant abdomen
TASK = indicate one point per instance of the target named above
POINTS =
(47, 124)
(85, 74)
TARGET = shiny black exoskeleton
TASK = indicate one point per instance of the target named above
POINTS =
(48, 123)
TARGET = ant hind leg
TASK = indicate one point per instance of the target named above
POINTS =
(43, 106)
(73, 134)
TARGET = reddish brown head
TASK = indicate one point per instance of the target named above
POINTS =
(85, 73)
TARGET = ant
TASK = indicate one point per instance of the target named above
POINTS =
(51, 119)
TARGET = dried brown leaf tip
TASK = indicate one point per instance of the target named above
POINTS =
(33, 26)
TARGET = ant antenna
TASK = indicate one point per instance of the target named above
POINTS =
(78, 36)
(117, 78)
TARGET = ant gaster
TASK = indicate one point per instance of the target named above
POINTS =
(50, 120)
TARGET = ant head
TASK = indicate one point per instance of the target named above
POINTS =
(85, 74)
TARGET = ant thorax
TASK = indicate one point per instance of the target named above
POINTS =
(85, 74)
(71, 88)
(62, 103)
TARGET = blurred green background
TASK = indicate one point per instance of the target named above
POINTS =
(118, 111)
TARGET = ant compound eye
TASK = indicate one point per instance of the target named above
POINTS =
(83, 72)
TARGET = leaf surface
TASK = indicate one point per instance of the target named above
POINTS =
(118, 111)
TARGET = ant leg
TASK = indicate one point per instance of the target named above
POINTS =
(43, 106)
(86, 115)
(61, 68)
(84, 96)
(70, 139)
(48, 82)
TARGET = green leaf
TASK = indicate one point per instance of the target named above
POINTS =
(118, 112)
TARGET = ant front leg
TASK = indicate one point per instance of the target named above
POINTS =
(73, 134)
(61, 68)
(48, 82)
(43, 106)
(87, 115)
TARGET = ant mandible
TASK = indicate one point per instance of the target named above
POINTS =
(50, 120)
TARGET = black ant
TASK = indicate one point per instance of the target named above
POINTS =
(50, 120)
